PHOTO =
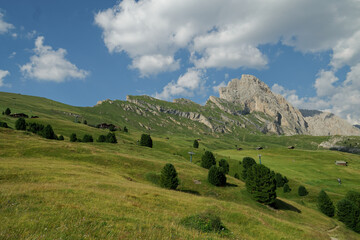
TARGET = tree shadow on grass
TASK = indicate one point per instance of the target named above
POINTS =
(231, 185)
(189, 191)
(281, 205)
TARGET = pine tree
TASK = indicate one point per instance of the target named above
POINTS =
(208, 160)
(353, 197)
(224, 165)
(168, 178)
(7, 111)
(73, 137)
(125, 129)
(347, 213)
(111, 138)
(48, 132)
(279, 180)
(286, 188)
(61, 138)
(146, 140)
(247, 163)
(85, 122)
(196, 144)
(325, 204)
(302, 191)
(88, 138)
(261, 184)
(102, 138)
(216, 176)
(20, 124)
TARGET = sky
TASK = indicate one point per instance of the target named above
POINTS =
(80, 52)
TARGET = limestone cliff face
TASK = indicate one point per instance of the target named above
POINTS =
(256, 96)
(327, 124)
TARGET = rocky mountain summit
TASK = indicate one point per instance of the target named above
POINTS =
(245, 105)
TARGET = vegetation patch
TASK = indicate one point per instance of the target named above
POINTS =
(205, 222)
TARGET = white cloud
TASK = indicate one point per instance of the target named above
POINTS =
(217, 87)
(4, 26)
(12, 55)
(3, 74)
(193, 81)
(50, 65)
(152, 64)
(324, 83)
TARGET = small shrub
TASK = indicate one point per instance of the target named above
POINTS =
(236, 175)
(85, 122)
(7, 111)
(216, 176)
(125, 129)
(111, 138)
(87, 138)
(302, 191)
(73, 137)
(286, 188)
(61, 138)
(168, 178)
(20, 124)
(48, 132)
(112, 128)
(347, 213)
(146, 140)
(325, 204)
(3, 125)
(208, 160)
(224, 165)
(101, 138)
(246, 163)
(196, 144)
(204, 222)
(261, 184)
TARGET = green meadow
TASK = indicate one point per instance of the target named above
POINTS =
(53, 189)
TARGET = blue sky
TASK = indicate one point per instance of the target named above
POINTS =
(80, 52)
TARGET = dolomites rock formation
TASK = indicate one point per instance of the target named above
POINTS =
(256, 96)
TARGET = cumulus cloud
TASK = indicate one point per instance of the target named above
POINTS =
(4, 26)
(193, 81)
(3, 74)
(50, 65)
(152, 64)
(217, 87)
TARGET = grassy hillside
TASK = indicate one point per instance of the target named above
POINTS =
(57, 189)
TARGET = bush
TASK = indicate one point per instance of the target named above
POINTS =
(146, 140)
(3, 124)
(236, 175)
(208, 160)
(168, 178)
(73, 137)
(216, 176)
(125, 129)
(20, 124)
(246, 163)
(196, 144)
(286, 188)
(101, 138)
(112, 128)
(280, 180)
(61, 138)
(7, 111)
(85, 122)
(224, 165)
(87, 138)
(111, 138)
(302, 191)
(204, 222)
(325, 204)
(48, 132)
(347, 213)
(35, 128)
(353, 197)
(261, 184)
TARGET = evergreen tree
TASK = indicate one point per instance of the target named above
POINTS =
(146, 140)
(279, 180)
(261, 184)
(347, 213)
(196, 144)
(61, 138)
(208, 160)
(325, 204)
(112, 128)
(87, 138)
(7, 111)
(102, 138)
(125, 129)
(48, 132)
(302, 191)
(286, 188)
(20, 124)
(3, 124)
(224, 165)
(73, 137)
(216, 176)
(35, 128)
(353, 197)
(168, 178)
(247, 163)
(111, 138)
(85, 122)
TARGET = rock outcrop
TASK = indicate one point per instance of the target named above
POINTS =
(256, 96)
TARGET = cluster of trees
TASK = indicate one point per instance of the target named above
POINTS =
(216, 174)
(7, 112)
(348, 210)
(37, 128)
(109, 138)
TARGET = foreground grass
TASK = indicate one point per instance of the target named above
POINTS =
(57, 189)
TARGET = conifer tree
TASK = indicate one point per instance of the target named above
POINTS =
(208, 160)
(286, 188)
(20, 124)
(73, 137)
(325, 204)
(111, 138)
(7, 111)
(196, 144)
(224, 165)
(168, 178)
(302, 191)
(146, 140)
(216, 176)
(246, 163)
(48, 132)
